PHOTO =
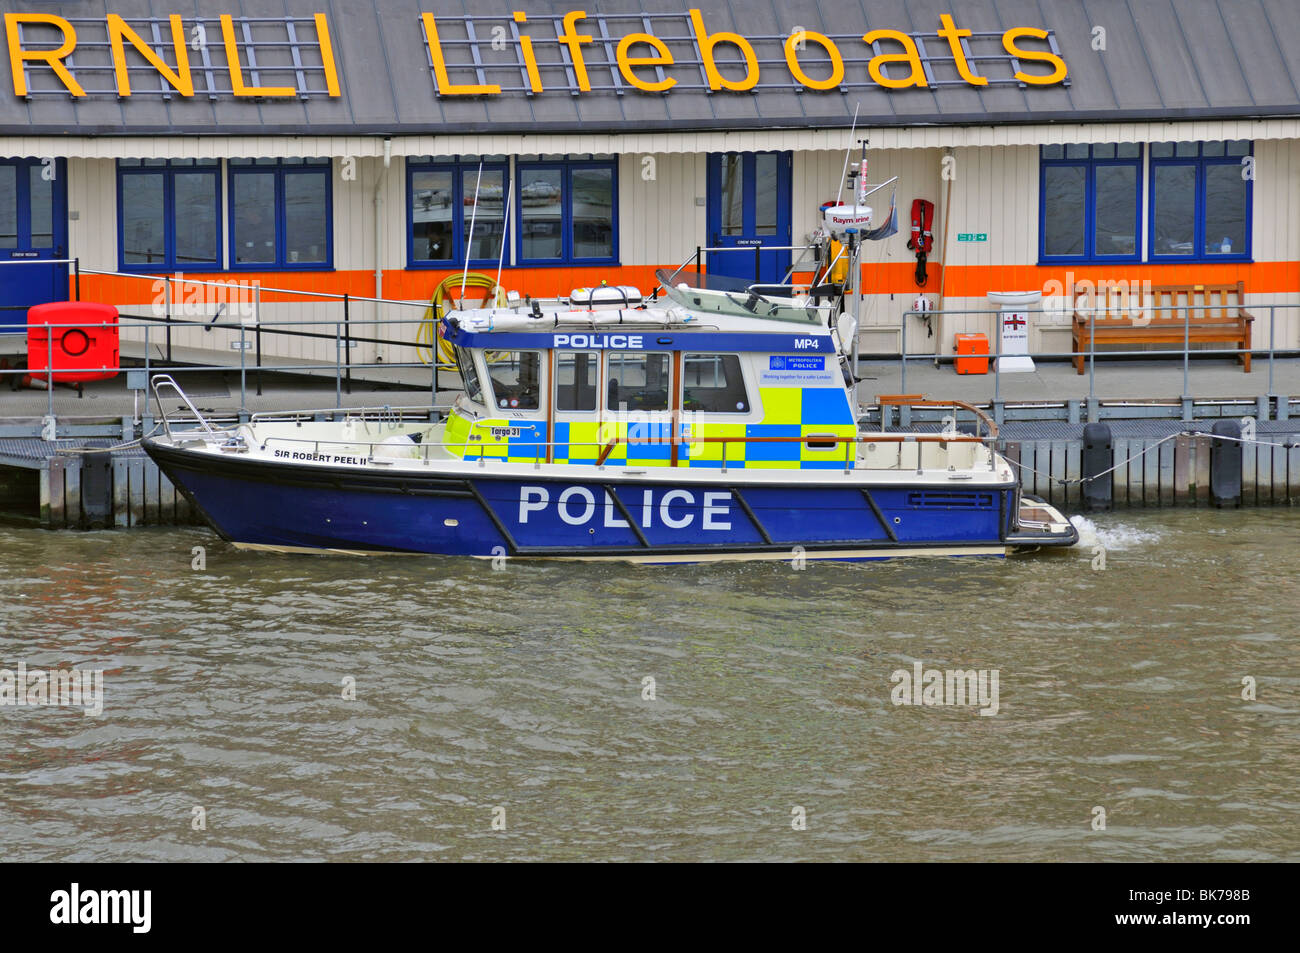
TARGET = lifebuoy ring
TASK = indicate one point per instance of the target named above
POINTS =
(85, 345)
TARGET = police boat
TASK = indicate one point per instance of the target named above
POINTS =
(713, 423)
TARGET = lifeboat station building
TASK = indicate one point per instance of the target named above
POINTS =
(376, 149)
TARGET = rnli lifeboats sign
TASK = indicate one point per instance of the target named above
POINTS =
(574, 53)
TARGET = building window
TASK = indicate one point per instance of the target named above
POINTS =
(1090, 203)
(168, 214)
(567, 211)
(713, 384)
(1200, 201)
(444, 199)
(280, 214)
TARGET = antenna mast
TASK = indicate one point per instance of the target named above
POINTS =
(473, 216)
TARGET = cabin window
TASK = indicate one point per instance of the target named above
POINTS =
(168, 216)
(638, 381)
(566, 211)
(469, 375)
(577, 380)
(444, 199)
(516, 378)
(280, 215)
(713, 384)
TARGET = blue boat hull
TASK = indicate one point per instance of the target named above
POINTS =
(276, 505)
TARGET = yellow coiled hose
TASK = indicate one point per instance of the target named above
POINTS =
(429, 333)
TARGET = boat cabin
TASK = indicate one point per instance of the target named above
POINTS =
(716, 379)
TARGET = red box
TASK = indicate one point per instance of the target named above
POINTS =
(90, 347)
(968, 345)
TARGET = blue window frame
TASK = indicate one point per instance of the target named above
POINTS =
(1090, 203)
(281, 215)
(169, 214)
(566, 212)
(749, 206)
(441, 204)
(1201, 195)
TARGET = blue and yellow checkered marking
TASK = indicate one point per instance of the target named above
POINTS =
(794, 413)
(523, 440)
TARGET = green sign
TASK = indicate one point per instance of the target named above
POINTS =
(972, 236)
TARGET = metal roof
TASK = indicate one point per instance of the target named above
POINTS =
(1159, 60)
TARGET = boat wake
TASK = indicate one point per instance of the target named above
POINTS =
(1112, 536)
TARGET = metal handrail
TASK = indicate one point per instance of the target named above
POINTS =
(898, 400)
(425, 447)
(1068, 312)
(336, 367)
(166, 380)
(273, 416)
(806, 438)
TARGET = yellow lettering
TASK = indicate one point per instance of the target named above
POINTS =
(910, 55)
(825, 42)
(327, 54)
(954, 37)
(445, 86)
(237, 86)
(1058, 65)
(662, 57)
(708, 41)
(52, 58)
(574, 42)
(530, 59)
(180, 79)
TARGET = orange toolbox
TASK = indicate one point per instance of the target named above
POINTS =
(972, 353)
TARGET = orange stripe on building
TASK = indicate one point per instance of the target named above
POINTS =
(402, 285)
(962, 281)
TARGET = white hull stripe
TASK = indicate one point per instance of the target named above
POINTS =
(669, 557)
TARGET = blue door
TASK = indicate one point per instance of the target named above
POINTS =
(749, 209)
(33, 230)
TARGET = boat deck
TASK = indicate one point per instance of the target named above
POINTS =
(1041, 430)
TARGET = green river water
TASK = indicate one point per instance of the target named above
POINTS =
(507, 714)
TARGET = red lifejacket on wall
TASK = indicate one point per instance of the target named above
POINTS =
(922, 240)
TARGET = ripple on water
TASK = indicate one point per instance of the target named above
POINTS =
(621, 712)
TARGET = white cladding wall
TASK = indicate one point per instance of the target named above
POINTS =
(1275, 236)
(994, 190)
(639, 143)
(661, 211)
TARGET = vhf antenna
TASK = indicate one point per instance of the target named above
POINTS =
(860, 169)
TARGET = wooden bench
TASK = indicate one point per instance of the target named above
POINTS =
(1108, 318)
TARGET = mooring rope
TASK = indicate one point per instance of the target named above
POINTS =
(116, 446)
(1136, 456)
